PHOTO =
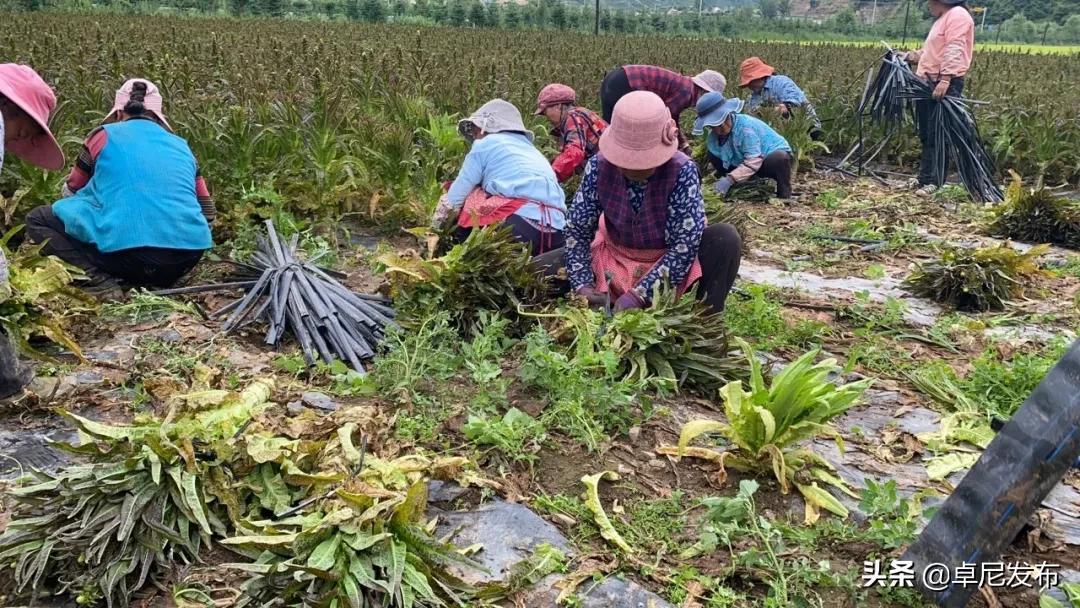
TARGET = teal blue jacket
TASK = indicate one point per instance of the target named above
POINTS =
(142, 194)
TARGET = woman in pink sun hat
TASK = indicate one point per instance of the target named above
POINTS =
(136, 209)
(638, 217)
(25, 104)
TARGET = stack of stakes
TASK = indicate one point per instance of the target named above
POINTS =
(292, 295)
(952, 126)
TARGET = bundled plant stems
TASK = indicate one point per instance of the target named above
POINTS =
(976, 279)
(292, 295)
(1037, 216)
(489, 270)
(893, 94)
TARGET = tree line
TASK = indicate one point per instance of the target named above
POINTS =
(765, 19)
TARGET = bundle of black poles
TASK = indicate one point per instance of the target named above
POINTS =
(292, 295)
(894, 94)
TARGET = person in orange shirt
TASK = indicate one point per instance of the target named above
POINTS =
(943, 61)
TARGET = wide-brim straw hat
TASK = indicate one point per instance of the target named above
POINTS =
(151, 101)
(753, 68)
(497, 116)
(713, 110)
(25, 88)
(642, 135)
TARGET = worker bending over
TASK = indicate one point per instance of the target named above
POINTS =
(25, 104)
(677, 91)
(504, 179)
(576, 128)
(742, 147)
(769, 89)
(136, 209)
(639, 218)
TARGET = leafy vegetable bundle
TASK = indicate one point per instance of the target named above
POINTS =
(489, 271)
(976, 279)
(1037, 216)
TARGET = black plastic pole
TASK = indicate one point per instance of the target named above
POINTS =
(596, 20)
(907, 13)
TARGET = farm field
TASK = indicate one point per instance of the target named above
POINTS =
(341, 135)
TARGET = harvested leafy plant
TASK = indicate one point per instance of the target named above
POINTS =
(976, 279)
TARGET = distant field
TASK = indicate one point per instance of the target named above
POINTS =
(1048, 49)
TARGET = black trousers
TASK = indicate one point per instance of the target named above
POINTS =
(539, 242)
(776, 166)
(720, 253)
(927, 174)
(141, 266)
(612, 89)
(14, 375)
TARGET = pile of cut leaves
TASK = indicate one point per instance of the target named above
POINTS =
(322, 521)
(36, 296)
(489, 271)
(1037, 216)
(976, 279)
(676, 341)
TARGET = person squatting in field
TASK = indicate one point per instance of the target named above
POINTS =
(638, 218)
(135, 208)
(504, 179)
(576, 128)
(742, 147)
(943, 61)
(25, 104)
(678, 92)
(767, 88)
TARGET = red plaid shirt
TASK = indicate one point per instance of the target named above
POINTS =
(580, 138)
(676, 90)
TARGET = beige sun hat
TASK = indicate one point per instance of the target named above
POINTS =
(497, 116)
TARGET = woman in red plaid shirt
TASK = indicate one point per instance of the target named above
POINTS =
(578, 129)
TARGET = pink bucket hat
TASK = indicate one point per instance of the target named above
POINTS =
(553, 95)
(22, 86)
(152, 100)
(642, 134)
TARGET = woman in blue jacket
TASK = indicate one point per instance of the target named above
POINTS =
(136, 211)
(741, 146)
(506, 180)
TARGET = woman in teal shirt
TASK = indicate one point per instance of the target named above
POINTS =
(136, 209)
(741, 146)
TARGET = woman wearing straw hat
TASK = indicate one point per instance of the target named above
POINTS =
(742, 147)
(638, 218)
(678, 92)
(767, 88)
(578, 129)
(504, 179)
(25, 104)
(135, 208)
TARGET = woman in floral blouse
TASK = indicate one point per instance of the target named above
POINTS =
(638, 217)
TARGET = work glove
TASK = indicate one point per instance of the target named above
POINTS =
(941, 89)
(723, 185)
(442, 211)
(595, 298)
(629, 301)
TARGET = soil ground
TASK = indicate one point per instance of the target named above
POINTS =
(155, 356)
